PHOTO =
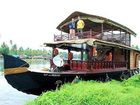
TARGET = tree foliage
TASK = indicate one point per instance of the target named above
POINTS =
(136, 47)
(4, 48)
(12, 49)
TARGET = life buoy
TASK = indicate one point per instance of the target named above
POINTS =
(70, 56)
(94, 51)
(55, 51)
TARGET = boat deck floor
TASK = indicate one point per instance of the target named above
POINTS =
(77, 71)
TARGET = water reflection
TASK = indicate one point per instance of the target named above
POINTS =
(38, 63)
(34, 63)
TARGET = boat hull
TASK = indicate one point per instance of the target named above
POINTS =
(36, 83)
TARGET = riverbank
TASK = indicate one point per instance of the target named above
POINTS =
(11, 96)
(94, 93)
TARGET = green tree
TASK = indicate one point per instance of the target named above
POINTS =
(28, 52)
(4, 48)
(13, 50)
(21, 51)
(137, 47)
(133, 46)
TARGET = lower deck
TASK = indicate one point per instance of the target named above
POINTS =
(85, 67)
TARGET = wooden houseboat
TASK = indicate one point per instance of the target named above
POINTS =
(104, 51)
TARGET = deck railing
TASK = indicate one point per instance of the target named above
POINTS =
(87, 34)
(117, 38)
(86, 66)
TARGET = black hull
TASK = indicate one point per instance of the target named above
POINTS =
(36, 83)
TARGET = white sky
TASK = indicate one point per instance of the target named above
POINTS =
(29, 23)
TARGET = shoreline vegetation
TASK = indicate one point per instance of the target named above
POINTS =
(27, 53)
(113, 92)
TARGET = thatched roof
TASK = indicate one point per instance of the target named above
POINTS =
(93, 22)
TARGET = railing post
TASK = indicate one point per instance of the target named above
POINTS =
(101, 65)
(113, 65)
(71, 64)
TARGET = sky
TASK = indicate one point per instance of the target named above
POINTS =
(30, 23)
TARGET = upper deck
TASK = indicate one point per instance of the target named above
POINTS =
(120, 38)
(96, 27)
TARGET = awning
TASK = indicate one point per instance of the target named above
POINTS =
(89, 41)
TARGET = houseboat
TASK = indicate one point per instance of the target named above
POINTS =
(102, 51)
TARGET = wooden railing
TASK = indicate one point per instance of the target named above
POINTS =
(79, 65)
(87, 34)
(86, 66)
(117, 38)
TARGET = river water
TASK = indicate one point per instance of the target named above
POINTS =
(11, 96)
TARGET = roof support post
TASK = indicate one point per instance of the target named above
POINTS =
(68, 55)
(113, 54)
(90, 34)
(61, 35)
(102, 30)
(129, 40)
(125, 37)
(112, 33)
(120, 33)
(82, 52)
(121, 36)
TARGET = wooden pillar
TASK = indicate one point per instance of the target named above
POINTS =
(90, 33)
(129, 39)
(129, 62)
(53, 55)
(68, 56)
(53, 52)
(112, 33)
(113, 54)
(89, 57)
(120, 35)
(102, 30)
(82, 52)
(125, 37)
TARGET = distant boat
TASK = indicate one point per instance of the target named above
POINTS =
(104, 48)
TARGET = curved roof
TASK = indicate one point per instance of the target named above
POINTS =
(97, 20)
(63, 44)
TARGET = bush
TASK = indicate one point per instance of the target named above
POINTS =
(93, 93)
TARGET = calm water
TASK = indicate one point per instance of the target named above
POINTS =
(11, 96)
